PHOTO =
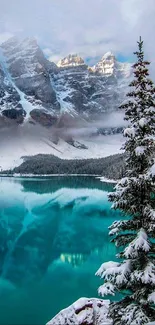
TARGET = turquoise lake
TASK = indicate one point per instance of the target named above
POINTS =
(53, 238)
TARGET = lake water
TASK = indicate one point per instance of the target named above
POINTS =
(53, 238)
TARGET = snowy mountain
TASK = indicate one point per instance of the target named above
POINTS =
(70, 60)
(36, 90)
(27, 71)
(109, 66)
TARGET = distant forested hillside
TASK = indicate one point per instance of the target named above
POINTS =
(111, 167)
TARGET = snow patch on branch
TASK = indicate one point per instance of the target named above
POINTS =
(129, 132)
(106, 289)
(105, 267)
(131, 101)
(152, 170)
(149, 212)
(115, 274)
(114, 231)
(133, 315)
(146, 276)
(140, 150)
(139, 243)
(151, 297)
(142, 122)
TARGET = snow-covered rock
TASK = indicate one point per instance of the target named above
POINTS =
(86, 93)
(28, 82)
(106, 65)
(9, 97)
(84, 311)
(27, 70)
(70, 61)
(109, 66)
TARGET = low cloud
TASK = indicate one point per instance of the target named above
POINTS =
(4, 37)
(47, 52)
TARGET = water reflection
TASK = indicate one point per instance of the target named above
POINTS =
(73, 259)
(52, 184)
(53, 237)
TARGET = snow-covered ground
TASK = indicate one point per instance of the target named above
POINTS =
(104, 179)
(13, 148)
(84, 311)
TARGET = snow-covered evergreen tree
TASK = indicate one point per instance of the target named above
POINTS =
(134, 274)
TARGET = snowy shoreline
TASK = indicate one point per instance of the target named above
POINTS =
(107, 180)
(101, 178)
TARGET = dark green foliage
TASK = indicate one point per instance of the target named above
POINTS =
(111, 167)
(134, 196)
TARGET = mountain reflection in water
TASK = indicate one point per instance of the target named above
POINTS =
(53, 237)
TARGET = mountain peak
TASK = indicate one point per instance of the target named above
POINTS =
(107, 64)
(15, 45)
(10, 42)
(108, 55)
(71, 60)
(29, 42)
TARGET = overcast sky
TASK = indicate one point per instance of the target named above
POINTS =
(87, 27)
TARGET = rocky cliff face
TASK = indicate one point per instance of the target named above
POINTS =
(29, 71)
(9, 101)
(70, 61)
(109, 66)
(90, 93)
(64, 92)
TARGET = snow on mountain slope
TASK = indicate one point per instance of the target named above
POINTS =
(71, 87)
(62, 91)
(29, 71)
(71, 60)
(26, 105)
(24, 58)
(90, 92)
(108, 66)
(20, 145)
(9, 97)
(34, 92)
